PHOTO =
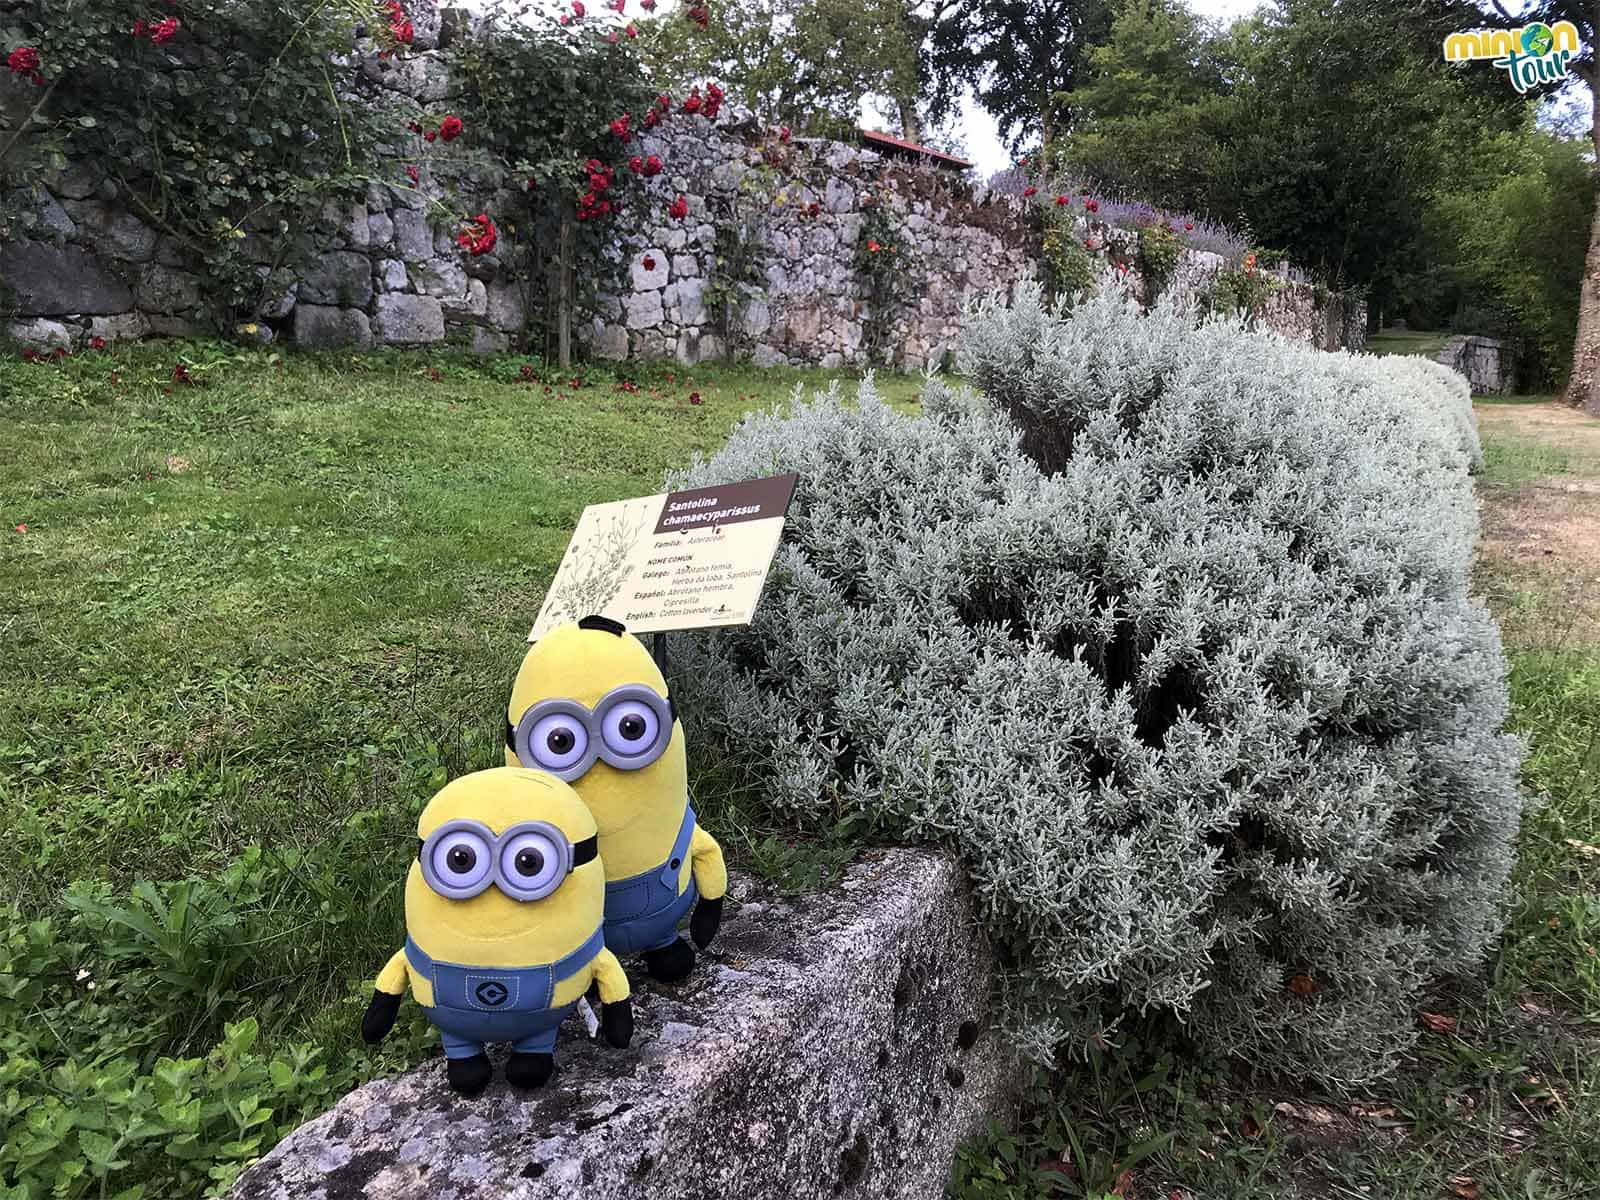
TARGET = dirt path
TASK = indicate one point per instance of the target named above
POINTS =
(1539, 558)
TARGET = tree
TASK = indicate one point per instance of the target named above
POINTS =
(807, 64)
(1022, 59)
(1583, 381)
(1145, 118)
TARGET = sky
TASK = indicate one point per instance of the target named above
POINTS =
(983, 138)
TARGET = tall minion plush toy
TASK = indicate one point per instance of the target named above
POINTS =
(591, 707)
(503, 926)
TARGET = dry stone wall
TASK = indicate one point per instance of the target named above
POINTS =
(75, 264)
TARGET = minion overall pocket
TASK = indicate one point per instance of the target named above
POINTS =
(643, 911)
(473, 1006)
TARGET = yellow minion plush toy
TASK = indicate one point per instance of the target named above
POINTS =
(591, 707)
(503, 926)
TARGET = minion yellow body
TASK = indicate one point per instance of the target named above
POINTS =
(590, 705)
(504, 906)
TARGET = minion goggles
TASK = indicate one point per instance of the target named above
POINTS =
(628, 729)
(530, 860)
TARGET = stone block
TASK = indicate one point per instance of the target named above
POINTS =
(507, 308)
(114, 232)
(408, 320)
(340, 278)
(413, 237)
(380, 230)
(644, 310)
(656, 276)
(473, 302)
(832, 1048)
(691, 301)
(124, 327)
(685, 265)
(318, 327)
(167, 290)
(489, 341)
(392, 275)
(610, 341)
(40, 333)
(45, 280)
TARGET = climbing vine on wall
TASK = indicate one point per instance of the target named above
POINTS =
(738, 268)
(207, 122)
(887, 271)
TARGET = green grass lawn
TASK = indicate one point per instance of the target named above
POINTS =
(252, 622)
(274, 607)
(1406, 341)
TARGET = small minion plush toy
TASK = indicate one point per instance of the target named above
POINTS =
(503, 927)
(591, 707)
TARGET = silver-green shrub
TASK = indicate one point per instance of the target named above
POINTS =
(1167, 635)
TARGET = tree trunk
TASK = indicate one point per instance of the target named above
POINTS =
(1583, 386)
(564, 298)
(910, 127)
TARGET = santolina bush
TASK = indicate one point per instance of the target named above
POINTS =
(1167, 635)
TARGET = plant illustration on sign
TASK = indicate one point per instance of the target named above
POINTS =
(595, 573)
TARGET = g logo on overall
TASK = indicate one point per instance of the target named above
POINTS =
(491, 993)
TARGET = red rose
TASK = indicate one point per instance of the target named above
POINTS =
(577, 8)
(180, 374)
(648, 5)
(814, 209)
(164, 30)
(652, 165)
(632, 30)
(413, 174)
(430, 135)
(679, 208)
(611, 36)
(692, 104)
(650, 119)
(1189, 226)
(1022, 162)
(636, 164)
(140, 28)
(649, 264)
(604, 208)
(450, 128)
(1030, 190)
(620, 127)
(665, 101)
(478, 236)
(97, 343)
(783, 133)
(1062, 201)
(700, 15)
(566, 19)
(1092, 205)
(873, 246)
(24, 60)
(694, 398)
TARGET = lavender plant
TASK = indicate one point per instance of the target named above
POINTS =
(1167, 635)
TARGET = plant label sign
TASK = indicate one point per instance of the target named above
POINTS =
(680, 560)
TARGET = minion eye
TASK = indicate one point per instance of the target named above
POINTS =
(558, 742)
(460, 863)
(635, 725)
(630, 728)
(532, 865)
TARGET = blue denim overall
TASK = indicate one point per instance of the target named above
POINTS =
(476, 1005)
(643, 911)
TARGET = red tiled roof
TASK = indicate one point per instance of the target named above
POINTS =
(888, 140)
